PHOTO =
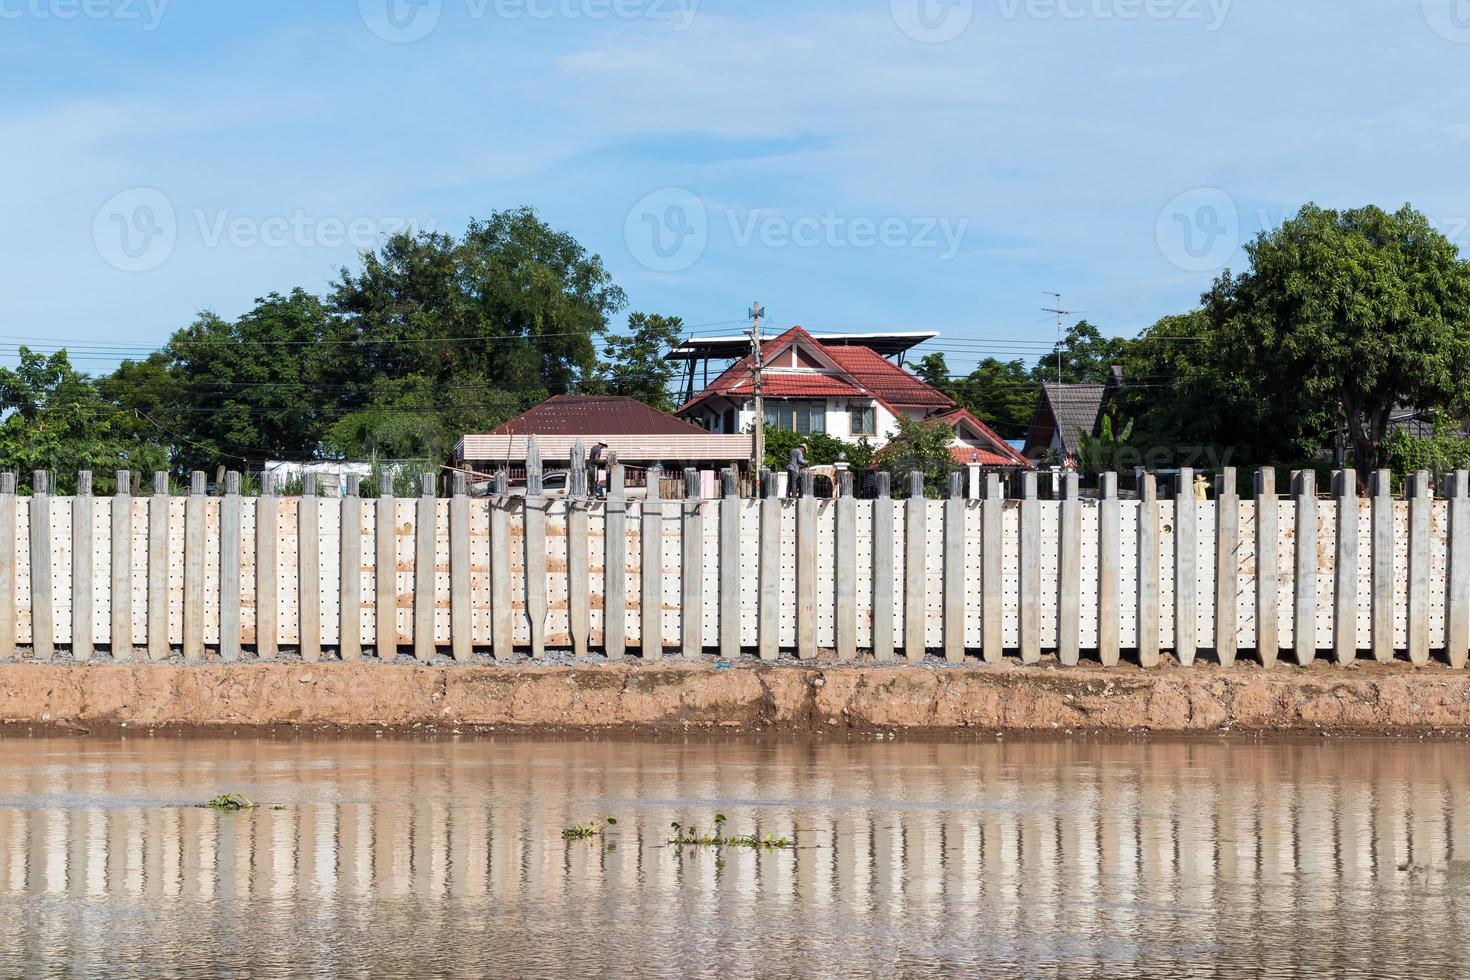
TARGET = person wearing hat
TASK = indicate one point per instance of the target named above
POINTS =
(1201, 487)
(794, 465)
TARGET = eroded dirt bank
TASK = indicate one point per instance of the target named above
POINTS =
(680, 697)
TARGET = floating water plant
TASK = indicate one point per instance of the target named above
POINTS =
(693, 837)
(586, 831)
(229, 801)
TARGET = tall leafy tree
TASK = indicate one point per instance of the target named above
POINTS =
(513, 301)
(1084, 356)
(636, 366)
(1361, 310)
(55, 419)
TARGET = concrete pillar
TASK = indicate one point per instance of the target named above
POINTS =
(1148, 571)
(194, 562)
(83, 512)
(915, 537)
(350, 564)
(954, 571)
(1268, 566)
(691, 568)
(1421, 504)
(1382, 564)
(730, 509)
(1345, 570)
(1109, 571)
(883, 565)
(231, 542)
(992, 585)
(461, 637)
(1069, 578)
(43, 616)
(1030, 570)
(1304, 617)
(1227, 567)
(309, 570)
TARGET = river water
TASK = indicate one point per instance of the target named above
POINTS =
(1052, 859)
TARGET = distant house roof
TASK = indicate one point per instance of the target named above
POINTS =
(633, 430)
(1065, 410)
(595, 415)
(839, 370)
(978, 442)
(985, 447)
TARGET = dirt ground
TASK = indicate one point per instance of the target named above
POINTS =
(672, 696)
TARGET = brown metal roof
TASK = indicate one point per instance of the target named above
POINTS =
(596, 415)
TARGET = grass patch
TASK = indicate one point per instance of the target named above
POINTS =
(587, 831)
(229, 801)
(694, 837)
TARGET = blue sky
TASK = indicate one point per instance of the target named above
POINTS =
(864, 165)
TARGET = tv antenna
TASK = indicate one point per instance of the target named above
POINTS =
(1057, 309)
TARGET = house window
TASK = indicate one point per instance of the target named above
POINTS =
(863, 421)
(796, 416)
(729, 421)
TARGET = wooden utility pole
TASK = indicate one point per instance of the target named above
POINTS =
(756, 313)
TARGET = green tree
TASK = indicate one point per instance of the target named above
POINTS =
(513, 302)
(922, 446)
(1361, 310)
(260, 387)
(56, 420)
(1001, 394)
(1085, 356)
(636, 366)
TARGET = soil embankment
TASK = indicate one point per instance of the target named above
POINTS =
(675, 696)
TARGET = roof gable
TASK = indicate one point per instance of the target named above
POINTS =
(844, 370)
(966, 425)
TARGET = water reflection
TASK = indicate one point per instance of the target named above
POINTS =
(1046, 859)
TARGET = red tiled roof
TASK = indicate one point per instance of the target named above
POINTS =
(965, 455)
(601, 415)
(1003, 451)
(885, 379)
(864, 372)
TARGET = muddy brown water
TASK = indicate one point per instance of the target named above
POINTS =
(1012, 858)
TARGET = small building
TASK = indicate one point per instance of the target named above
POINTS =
(1066, 412)
(640, 435)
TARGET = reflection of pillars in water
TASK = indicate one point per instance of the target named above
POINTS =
(49, 844)
(355, 852)
(1458, 816)
(390, 850)
(95, 874)
(1077, 814)
(468, 854)
(1116, 860)
(1195, 809)
(326, 876)
(13, 840)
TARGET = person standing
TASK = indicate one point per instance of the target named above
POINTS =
(594, 470)
(794, 465)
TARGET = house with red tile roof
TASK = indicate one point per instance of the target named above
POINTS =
(843, 388)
